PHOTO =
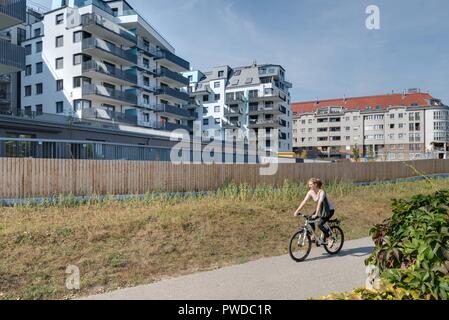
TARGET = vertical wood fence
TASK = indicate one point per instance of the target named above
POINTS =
(31, 178)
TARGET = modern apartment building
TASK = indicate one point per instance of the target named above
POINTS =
(12, 55)
(242, 102)
(404, 126)
(101, 60)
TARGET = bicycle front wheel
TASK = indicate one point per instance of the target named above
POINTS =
(300, 246)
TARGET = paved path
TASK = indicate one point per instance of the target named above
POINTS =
(276, 278)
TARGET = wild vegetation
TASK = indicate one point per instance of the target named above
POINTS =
(125, 243)
(412, 251)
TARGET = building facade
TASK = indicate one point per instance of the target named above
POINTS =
(100, 60)
(412, 125)
(246, 103)
(12, 55)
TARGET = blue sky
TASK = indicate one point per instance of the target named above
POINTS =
(323, 44)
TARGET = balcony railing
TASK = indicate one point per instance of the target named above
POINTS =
(101, 114)
(173, 76)
(91, 89)
(233, 111)
(231, 124)
(165, 108)
(167, 126)
(173, 93)
(266, 109)
(234, 99)
(14, 8)
(265, 123)
(95, 19)
(167, 55)
(113, 72)
(94, 43)
(12, 55)
(98, 3)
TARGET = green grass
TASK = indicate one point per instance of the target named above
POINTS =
(126, 243)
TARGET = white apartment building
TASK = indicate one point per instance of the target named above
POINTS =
(101, 60)
(411, 125)
(242, 102)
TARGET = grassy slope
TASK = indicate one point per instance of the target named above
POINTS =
(118, 244)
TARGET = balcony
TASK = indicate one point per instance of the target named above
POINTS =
(265, 123)
(99, 114)
(99, 70)
(168, 93)
(12, 57)
(103, 49)
(233, 112)
(173, 79)
(106, 29)
(168, 126)
(97, 3)
(170, 111)
(231, 124)
(12, 12)
(172, 61)
(265, 110)
(269, 94)
(232, 99)
(108, 95)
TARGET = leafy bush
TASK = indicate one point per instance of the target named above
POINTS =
(412, 248)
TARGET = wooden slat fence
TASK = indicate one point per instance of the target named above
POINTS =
(31, 178)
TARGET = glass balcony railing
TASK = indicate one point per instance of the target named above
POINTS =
(97, 20)
(173, 76)
(167, 55)
(92, 43)
(113, 72)
(177, 111)
(174, 126)
(97, 3)
(108, 115)
(12, 56)
(90, 89)
(173, 93)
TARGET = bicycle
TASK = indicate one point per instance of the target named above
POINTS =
(301, 242)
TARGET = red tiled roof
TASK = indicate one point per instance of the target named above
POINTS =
(361, 103)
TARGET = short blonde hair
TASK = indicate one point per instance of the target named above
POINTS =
(316, 182)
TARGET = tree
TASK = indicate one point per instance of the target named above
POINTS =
(356, 153)
(304, 154)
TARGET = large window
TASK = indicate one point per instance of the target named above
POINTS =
(77, 59)
(28, 70)
(59, 107)
(28, 49)
(59, 85)
(80, 81)
(28, 91)
(38, 46)
(60, 19)
(82, 104)
(77, 36)
(39, 88)
(39, 66)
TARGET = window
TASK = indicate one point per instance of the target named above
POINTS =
(205, 111)
(59, 41)
(38, 46)
(391, 126)
(77, 59)
(205, 98)
(401, 115)
(146, 81)
(146, 99)
(37, 32)
(77, 36)
(217, 97)
(59, 107)
(146, 63)
(28, 91)
(39, 66)
(205, 122)
(59, 63)
(220, 74)
(28, 70)
(39, 109)
(60, 19)
(39, 88)
(80, 81)
(392, 116)
(115, 12)
(80, 104)
(28, 49)
(217, 84)
(59, 85)
(217, 120)
(217, 109)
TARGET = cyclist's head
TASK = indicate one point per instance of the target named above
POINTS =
(315, 183)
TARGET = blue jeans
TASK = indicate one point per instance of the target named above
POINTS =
(323, 226)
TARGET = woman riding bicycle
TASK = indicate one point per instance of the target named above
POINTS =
(324, 210)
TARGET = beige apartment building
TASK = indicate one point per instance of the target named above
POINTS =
(412, 125)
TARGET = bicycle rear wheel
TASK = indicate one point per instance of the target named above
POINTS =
(339, 238)
(300, 246)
